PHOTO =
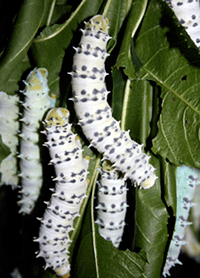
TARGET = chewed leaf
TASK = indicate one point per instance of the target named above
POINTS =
(178, 135)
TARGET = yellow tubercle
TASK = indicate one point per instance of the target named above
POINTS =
(66, 275)
(148, 182)
(88, 181)
(35, 78)
(87, 157)
(53, 95)
(99, 23)
(57, 116)
(77, 138)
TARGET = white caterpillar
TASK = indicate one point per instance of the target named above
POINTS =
(94, 112)
(71, 184)
(186, 180)
(112, 205)
(36, 103)
(9, 112)
(188, 14)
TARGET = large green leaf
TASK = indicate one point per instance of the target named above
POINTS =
(164, 62)
(151, 226)
(25, 27)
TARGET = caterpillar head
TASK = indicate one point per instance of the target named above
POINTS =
(57, 117)
(98, 23)
(36, 79)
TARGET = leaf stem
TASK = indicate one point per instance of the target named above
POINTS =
(125, 104)
(93, 181)
(51, 12)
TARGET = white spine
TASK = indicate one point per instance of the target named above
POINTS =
(94, 112)
(70, 190)
(36, 103)
(9, 127)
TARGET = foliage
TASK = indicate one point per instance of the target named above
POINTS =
(154, 79)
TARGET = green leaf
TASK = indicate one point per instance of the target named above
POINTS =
(25, 27)
(4, 150)
(168, 179)
(132, 103)
(48, 12)
(135, 17)
(151, 225)
(99, 258)
(116, 11)
(12, 85)
(119, 84)
(178, 136)
(49, 47)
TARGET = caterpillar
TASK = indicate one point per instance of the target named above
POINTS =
(192, 248)
(9, 112)
(93, 111)
(188, 14)
(70, 190)
(111, 209)
(36, 103)
(186, 180)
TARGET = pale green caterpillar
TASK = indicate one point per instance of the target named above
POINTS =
(9, 127)
(36, 102)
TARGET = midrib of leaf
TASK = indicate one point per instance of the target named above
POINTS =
(60, 28)
(125, 103)
(89, 189)
(51, 12)
(93, 182)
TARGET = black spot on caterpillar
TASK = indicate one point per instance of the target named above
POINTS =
(37, 102)
(111, 209)
(94, 112)
(70, 190)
